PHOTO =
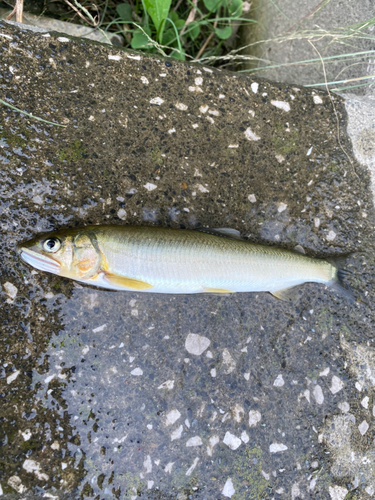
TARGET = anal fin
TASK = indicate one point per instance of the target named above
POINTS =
(287, 294)
(127, 283)
(217, 291)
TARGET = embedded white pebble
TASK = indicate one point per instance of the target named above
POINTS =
(280, 158)
(172, 417)
(196, 344)
(149, 426)
(279, 381)
(251, 113)
(337, 492)
(177, 433)
(221, 96)
(203, 109)
(131, 56)
(317, 99)
(144, 80)
(34, 467)
(331, 236)
(252, 198)
(245, 437)
(194, 441)
(211, 120)
(121, 214)
(114, 58)
(228, 490)
(147, 464)
(254, 87)
(232, 441)
(100, 328)
(27, 435)
(277, 447)
(85, 350)
(63, 39)
(195, 125)
(344, 406)
(157, 100)
(250, 135)
(149, 186)
(150, 484)
(10, 290)
(254, 417)
(265, 475)
(281, 207)
(244, 349)
(171, 131)
(246, 376)
(228, 361)
(181, 106)
(13, 377)
(365, 402)
(336, 385)
(168, 467)
(358, 386)
(198, 81)
(214, 112)
(213, 372)
(195, 89)
(281, 105)
(169, 384)
(209, 354)
(316, 222)
(309, 152)
(187, 423)
(213, 441)
(201, 188)
(373, 411)
(190, 469)
(233, 146)
(137, 372)
(324, 373)
(91, 118)
(318, 394)
(238, 413)
(363, 427)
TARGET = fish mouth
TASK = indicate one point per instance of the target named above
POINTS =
(39, 261)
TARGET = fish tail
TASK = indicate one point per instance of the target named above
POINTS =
(339, 281)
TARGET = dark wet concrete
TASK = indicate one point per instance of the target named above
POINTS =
(105, 394)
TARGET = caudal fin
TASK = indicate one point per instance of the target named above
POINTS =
(338, 283)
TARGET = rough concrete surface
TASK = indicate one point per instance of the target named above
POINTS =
(124, 395)
(292, 31)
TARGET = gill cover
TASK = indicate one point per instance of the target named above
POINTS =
(86, 256)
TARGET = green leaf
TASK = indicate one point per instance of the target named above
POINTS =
(168, 36)
(124, 10)
(212, 5)
(180, 23)
(235, 7)
(139, 40)
(158, 11)
(223, 33)
(178, 55)
(173, 16)
(193, 30)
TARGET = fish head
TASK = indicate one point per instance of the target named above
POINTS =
(70, 253)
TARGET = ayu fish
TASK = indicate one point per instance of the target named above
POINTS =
(175, 261)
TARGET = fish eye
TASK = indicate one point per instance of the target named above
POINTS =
(52, 245)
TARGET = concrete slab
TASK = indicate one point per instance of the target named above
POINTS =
(124, 395)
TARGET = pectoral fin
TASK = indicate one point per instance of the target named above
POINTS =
(217, 291)
(287, 294)
(127, 283)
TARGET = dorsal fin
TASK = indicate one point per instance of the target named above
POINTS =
(299, 249)
(222, 231)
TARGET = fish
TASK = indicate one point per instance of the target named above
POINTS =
(176, 261)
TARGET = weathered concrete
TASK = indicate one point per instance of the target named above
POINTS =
(170, 397)
(300, 30)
